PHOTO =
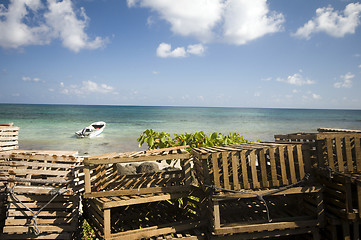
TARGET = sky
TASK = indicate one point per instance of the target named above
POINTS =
(213, 53)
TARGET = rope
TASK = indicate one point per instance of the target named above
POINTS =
(35, 215)
(260, 196)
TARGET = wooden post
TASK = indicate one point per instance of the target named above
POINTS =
(87, 184)
(107, 224)
(216, 215)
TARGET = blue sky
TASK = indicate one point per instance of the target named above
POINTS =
(221, 53)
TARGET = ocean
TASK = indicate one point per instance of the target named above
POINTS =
(52, 127)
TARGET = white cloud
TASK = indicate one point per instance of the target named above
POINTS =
(316, 96)
(29, 79)
(196, 49)
(29, 22)
(332, 22)
(232, 21)
(296, 79)
(311, 96)
(186, 17)
(164, 50)
(87, 87)
(346, 81)
(246, 20)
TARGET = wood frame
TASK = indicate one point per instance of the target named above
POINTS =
(242, 171)
(106, 190)
(8, 137)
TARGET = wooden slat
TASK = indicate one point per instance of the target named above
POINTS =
(169, 189)
(358, 154)
(329, 146)
(255, 181)
(235, 161)
(301, 165)
(283, 165)
(246, 184)
(291, 163)
(216, 176)
(338, 143)
(224, 161)
(349, 162)
(275, 182)
(262, 164)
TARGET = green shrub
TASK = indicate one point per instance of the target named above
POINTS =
(193, 140)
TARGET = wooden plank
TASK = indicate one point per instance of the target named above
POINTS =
(266, 227)
(40, 190)
(38, 172)
(139, 199)
(330, 158)
(225, 170)
(216, 215)
(339, 154)
(358, 154)
(262, 164)
(301, 165)
(283, 165)
(170, 189)
(125, 159)
(291, 163)
(37, 164)
(255, 181)
(275, 182)
(349, 162)
(251, 194)
(87, 183)
(216, 177)
(235, 161)
(42, 228)
(107, 224)
(246, 184)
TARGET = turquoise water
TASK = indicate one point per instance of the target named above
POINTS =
(52, 127)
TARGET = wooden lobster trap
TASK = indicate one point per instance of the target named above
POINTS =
(42, 198)
(140, 205)
(8, 137)
(259, 188)
(338, 156)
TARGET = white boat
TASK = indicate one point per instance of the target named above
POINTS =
(92, 130)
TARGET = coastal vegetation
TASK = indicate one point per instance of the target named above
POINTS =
(156, 139)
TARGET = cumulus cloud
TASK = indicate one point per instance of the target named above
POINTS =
(164, 50)
(30, 22)
(232, 21)
(332, 22)
(346, 81)
(246, 20)
(186, 17)
(87, 87)
(296, 79)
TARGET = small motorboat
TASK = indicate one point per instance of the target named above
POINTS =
(92, 130)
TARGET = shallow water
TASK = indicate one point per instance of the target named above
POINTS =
(52, 127)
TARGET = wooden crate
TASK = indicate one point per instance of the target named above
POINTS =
(8, 137)
(339, 151)
(39, 172)
(149, 218)
(342, 195)
(108, 194)
(58, 220)
(337, 229)
(258, 170)
(38, 179)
